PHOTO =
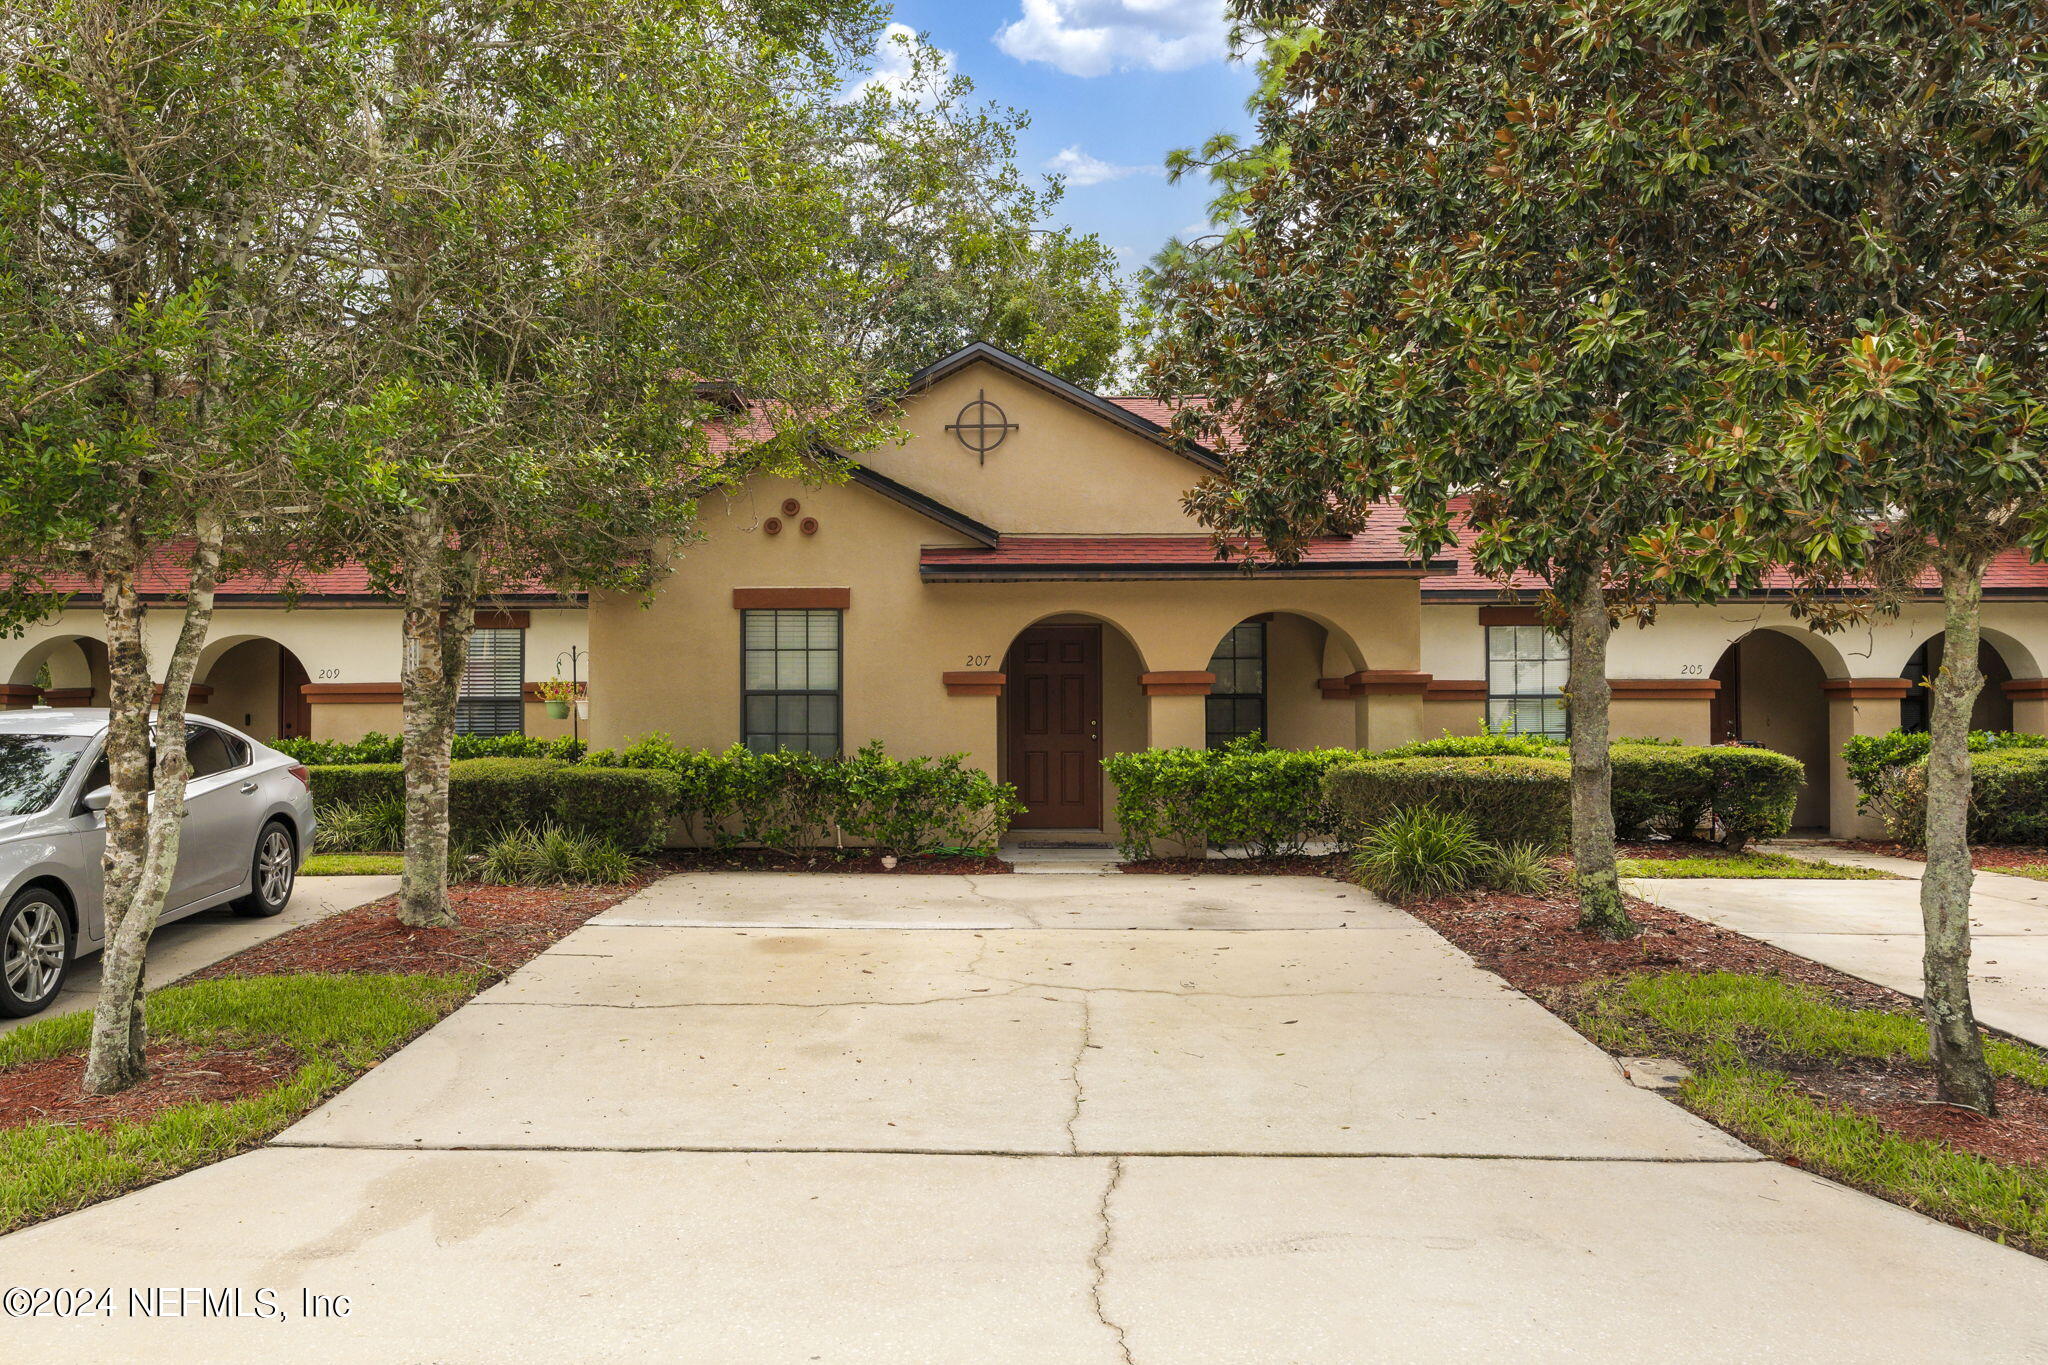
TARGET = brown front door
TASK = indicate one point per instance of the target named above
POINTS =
(294, 711)
(1055, 715)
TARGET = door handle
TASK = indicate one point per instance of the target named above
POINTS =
(248, 787)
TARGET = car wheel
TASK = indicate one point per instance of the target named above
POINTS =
(35, 951)
(272, 871)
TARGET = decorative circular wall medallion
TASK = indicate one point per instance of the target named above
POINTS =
(773, 526)
(790, 507)
(981, 426)
(809, 526)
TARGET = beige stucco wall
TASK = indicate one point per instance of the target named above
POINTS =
(1659, 718)
(244, 682)
(1783, 708)
(1065, 470)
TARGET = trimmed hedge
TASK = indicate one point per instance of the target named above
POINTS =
(376, 747)
(1879, 764)
(792, 800)
(1266, 801)
(1509, 798)
(487, 795)
(1748, 792)
(356, 784)
(632, 807)
(2008, 799)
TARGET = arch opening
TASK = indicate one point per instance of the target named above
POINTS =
(1993, 707)
(1268, 672)
(71, 670)
(1072, 695)
(1771, 695)
(256, 685)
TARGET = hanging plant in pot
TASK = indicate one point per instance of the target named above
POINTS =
(557, 693)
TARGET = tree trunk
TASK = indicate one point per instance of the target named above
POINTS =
(1601, 909)
(440, 608)
(1958, 1050)
(142, 829)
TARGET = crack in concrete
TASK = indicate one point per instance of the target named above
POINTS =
(1098, 1271)
(1074, 1070)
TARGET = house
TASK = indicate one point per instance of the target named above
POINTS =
(1018, 582)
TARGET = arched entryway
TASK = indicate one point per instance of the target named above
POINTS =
(65, 670)
(1771, 694)
(1071, 695)
(1268, 670)
(1993, 710)
(254, 684)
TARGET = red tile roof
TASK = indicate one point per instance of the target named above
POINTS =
(164, 573)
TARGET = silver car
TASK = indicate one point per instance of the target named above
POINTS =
(248, 827)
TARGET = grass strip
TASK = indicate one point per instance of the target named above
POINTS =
(353, 865)
(1764, 1108)
(1715, 1018)
(1750, 865)
(339, 1024)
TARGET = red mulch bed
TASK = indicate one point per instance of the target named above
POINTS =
(1984, 859)
(1322, 865)
(1903, 1099)
(499, 930)
(826, 860)
(179, 1073)
(1534, 942)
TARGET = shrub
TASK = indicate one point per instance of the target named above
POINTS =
(1478, 746)
(632, 807)
(486, 795)
(529, 855)
(921, 805)
(371, 827)
(2008, 799)
(1879, 764)
(1423, 851)
(1508, 799)
(1520, 870)
(1753, 793)
(381, 748)
(356, 784)
(1268, 802)
(1659, 790)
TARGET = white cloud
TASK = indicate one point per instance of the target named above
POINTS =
(1079, 168)
(1095, 37)
(896, 68)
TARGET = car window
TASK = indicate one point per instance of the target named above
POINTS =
(33, 769)
(208, 750)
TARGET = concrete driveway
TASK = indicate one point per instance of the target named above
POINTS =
(759, 1118)
(182, 947)
(1873, 930)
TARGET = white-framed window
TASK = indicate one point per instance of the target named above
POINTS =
(1526, 669)
(790, 678)
(491, 698)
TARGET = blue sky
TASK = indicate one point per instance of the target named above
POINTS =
(1111, 87)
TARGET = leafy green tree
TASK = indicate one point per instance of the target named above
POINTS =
(164, 328)
(954, 235)
(1472, 265)
(571, 231)
(1885, 424)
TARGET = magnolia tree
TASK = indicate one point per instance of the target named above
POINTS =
(1473, 265)
(1886, 426)
(163, 337)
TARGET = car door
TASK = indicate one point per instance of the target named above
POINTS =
(219, 837)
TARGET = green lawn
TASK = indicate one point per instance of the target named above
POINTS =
(353, 865)
(1731, 1028)
(1749, 865)
(339, 1025)
(2038, 871)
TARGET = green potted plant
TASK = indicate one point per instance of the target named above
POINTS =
(557, 693)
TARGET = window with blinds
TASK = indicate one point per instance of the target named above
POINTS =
(1237, 700)
(789, 684)
(491, 698)
(1526, 668)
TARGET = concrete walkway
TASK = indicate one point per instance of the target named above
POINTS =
(1872, 929)
(761, 1118)
(184, 946)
